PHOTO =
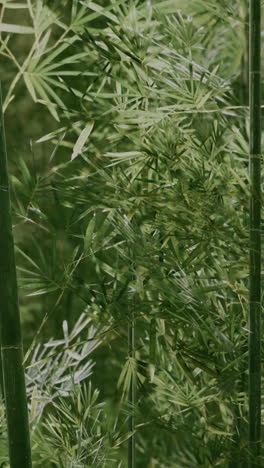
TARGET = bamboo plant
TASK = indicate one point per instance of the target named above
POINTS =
(255, 234)
(10, 329)
(175, 164)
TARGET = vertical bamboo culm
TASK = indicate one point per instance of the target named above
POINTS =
(255, 234)
(131, 462)
(10, 330)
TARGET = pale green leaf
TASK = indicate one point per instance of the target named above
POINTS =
(15, 6)
(89, 233)
(16, 29)
(77, 149)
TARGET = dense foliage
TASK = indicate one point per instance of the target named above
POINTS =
(130, 200)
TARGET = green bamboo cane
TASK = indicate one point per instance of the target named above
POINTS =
(255, 234)
(131, 459)
(10, 330)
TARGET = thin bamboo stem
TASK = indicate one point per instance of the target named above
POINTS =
(10, 329)
(131, 457)
(255, 234)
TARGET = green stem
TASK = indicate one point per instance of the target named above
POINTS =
(244, 78)
(1, 380)
(131, 461)
(255, 234)
(10, 330)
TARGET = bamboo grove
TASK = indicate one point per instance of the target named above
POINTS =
(133, 132)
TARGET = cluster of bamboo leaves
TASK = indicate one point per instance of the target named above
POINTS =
(139, 211)
(69, 427)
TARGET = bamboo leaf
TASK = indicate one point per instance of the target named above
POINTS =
(30, 86)
(89, 234)
(77, 149)
(16, 29)
(13, 5)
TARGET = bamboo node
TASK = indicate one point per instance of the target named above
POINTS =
(4, 188)
(256, 156)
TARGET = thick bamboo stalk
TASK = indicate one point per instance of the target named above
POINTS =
(255, 234)
(10, 330)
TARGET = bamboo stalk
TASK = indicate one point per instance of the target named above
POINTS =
(10, 330)
(255, 234)
(131, 459)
